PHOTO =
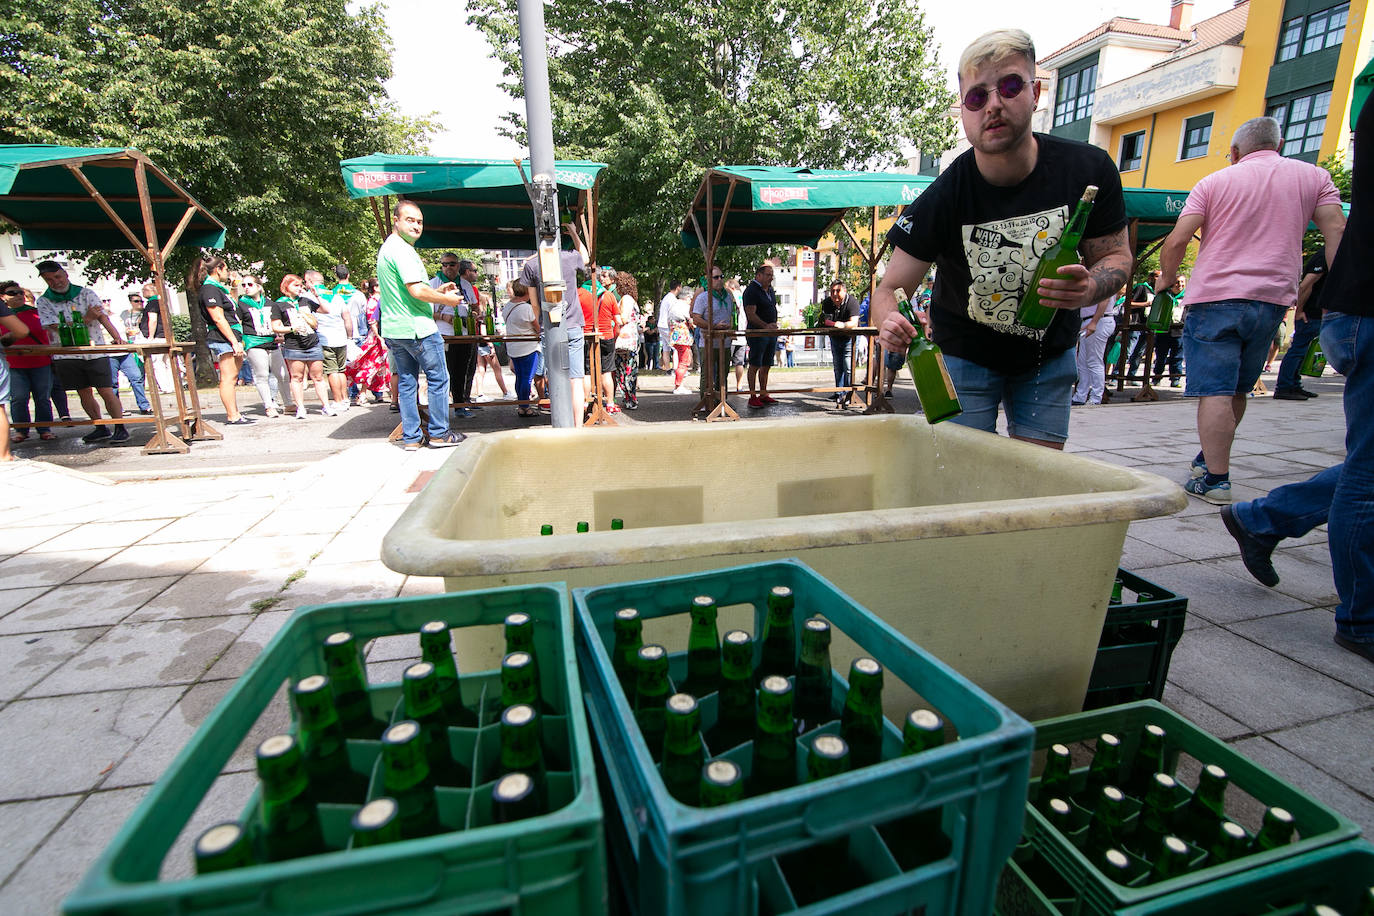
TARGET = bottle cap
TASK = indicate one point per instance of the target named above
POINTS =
(721, 772)
(830, 746)
(627, 613)
(418, 671)
(703, 601)
(1175, 845)
(682, 703)
(512, 787)
(518, 715)
(924, 719)
(343, 637)
(776, 685)
(401, 732)
(434, 627)
(1112, 793)
(312, 684)
(867, 666)
(1116, 858)
(1060, 807)
(1165, 781)
(375, 814)
(516, 660)
(517, 619)
(816, 625)
(1214, 771)
(651, 652)
(737, 638)
(1233, 830)
(219, 839)
(780, 591)
(1109, 739)
(276, 746)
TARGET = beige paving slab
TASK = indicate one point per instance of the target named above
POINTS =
(249, 645)
(83, 737)
(201, 528)
(58, 866)
(357, 581)
(27, 659)
(88, 605)
(363, 547)
(324, 520)
(100, 534)
(27, 824)
(212, 594)
(28, 570)
(143, 560)
(264, 553)
(17, 539)
(144, 655)
(422, 585)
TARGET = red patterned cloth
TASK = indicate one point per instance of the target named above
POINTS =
(370, 371)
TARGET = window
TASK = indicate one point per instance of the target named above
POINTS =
(1132, 150)
(21, 253)
(1074, 95)
(1325, 29)
(1290, 39)
(1197, 133)
(1302, 120)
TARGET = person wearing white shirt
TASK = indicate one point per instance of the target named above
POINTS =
(665, 310)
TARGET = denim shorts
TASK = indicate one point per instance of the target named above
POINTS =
(577, 347)
(4, 382)
(217, 350)
(313, 355)
(761, 351)
(894, 360)
(1225, 345)
(1036, 402)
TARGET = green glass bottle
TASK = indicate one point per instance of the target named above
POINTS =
(1146, 762)
(1054, 778)
(617, 524)
(491, 323)
(1105, 769)
(376, 823)
(515, 797)
(1060, 815)
(1276, 830)
(722, 782)
(522, 751)
(64, 330)
(405, 777)
(922, 730)
(829, 756)
(926, 362)
(813, 680)
(821, 870)
(1116, 865)
(1314, 360)
(289, 821)
(1116, 591)
(1156, 815)
(436, 647)
(651, 696)
(1032, 313)
(1161, 312)
(519, 633)
(332, 779)
(778, 649)
(683, 753)
(775, 750)
(861, 722)
(222, 847)
(628, 627)
(1200, 818)
(420, 687)
(1104, 830)
(1321, 909)
(1231, 842)
(546, 530)
(735, 701)
(518, 685)
(81, 335)
(343, 661)
(1367, 902)
(703, 648)
(583, 527)
(1171, 860)
(918, 838)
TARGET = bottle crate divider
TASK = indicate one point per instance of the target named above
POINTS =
(679, 860)
(1138, 640)
(1187, 747)
(550, 864)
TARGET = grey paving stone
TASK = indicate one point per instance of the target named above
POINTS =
(26, 659)
(90, 605)
(1137, 554)
(99, 534)
(58, 866)
(1256, 686)
(422, 585)
(18, 539)
(1316, 458)
(1339, 745)
(1197, 537)
(249, 645)
(82, 738)
(12, 598)
(393, 648)
(201, 528)
(212, 594)
(1216, 595)
(1310, 779)
(361, 548)
(324, 520)
(1305, 637)
(356, 581)
(144, 655)
(1304, 573)
(27, 824)
(144, 560)
(266, 553)
(1202, 714)
(225, 801)
(1243, 466)
(28, 570)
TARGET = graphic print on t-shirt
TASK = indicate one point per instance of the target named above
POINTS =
(1002, 255)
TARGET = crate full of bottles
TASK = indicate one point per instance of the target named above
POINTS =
(755, 770)
(1143, 625)
(1135, 803)
(446, 792)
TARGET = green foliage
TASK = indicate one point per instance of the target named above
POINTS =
(663, 90)
(181, 328)
(1340, 177)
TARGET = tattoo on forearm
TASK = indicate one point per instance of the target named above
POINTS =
(1106, 281)
(1109, 257)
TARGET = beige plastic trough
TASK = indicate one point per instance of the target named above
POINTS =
(996, 555)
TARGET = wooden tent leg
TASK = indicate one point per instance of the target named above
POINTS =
(200, 428)
(162, 442)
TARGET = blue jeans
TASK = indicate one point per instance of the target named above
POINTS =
(1303, 332)
(413, 356)
(128, 364)
(1036, 402)
(839, 353)
(35, 382)
(1341, 496)
(523, 367)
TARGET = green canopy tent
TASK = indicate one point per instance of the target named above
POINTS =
(82, 198)
(470, 203)
(757, 204)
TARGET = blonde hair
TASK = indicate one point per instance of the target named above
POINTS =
(995, 46)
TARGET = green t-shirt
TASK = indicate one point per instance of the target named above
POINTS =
(403, 316)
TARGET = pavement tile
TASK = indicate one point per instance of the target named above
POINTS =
(12, 598)
(33, 569)
(363, 547)
(1202, 714)
(89, 605)
(18, 539)
(393, 648)
(225, 800)
(1304, 573)
(1312, 780)
(324, 520)
(249, 645)
(144, 655)
(27, 824)
(83, 738)
(211, 594)
(357, 581)
(1305, 636)
(1137, 554)
(1315, 458)
(265, 553)
(1339, 745)
(27, 659)
(99, 534)
(422, 585)
(1239, 678)
(1215, 595)
(153, 560)
(58, 866)
(201, 528)
(1246, 466)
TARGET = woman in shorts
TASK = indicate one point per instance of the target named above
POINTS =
(293, 316)
(209, 281)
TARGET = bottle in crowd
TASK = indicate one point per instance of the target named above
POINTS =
(514, 798)
(926, 362)
(1201, 816)
(546, 530)
(1172, 858)
(629, 636)
(1276, 830)
(376, 823)
(703, 648)
(822, 870)
(775, 750)
(1109, 816)
(722, 782)
(1161, 314)
(583, 528)
(522, 751)
(222, 847)
(323, 746)
(420, 686)
(518, 685)
(64, 330)
(617, 524)
(1314, 360)
(1116, 591)
(1105, 769)
(735, 701)
(861, 723)
(406, 778)
(1231, 842)
(683, 753)
(81, 336)
(290, 823)
(1156, 815)
(778, 649)
(651, 697)
(436, 647)
(1054, 778)
(343, 662)
(1146, 762)
(519, 632)
(813, 680)
(1033, 313)
(918, 838)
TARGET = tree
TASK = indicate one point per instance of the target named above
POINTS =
(662, 90)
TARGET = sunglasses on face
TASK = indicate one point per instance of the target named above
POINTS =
(12, 292)
(448, 263)
(717, 276)
(1008, 87)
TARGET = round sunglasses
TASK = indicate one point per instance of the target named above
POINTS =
(1008, 87)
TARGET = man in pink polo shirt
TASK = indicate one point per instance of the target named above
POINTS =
(1252, 216)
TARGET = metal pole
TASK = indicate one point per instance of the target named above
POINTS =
(544, 198)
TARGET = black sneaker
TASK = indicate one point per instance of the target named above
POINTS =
(1289, 394)
(1307, 394)
(1256, 553)
(447, 441)
(1363, 649)
(121, 434)
(146, 413)
(99, 434)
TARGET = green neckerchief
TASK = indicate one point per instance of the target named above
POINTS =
(258, 305)
(344, 289)
(211, 281)
(72, 292)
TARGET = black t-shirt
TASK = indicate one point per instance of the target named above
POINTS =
(1352, 270)
(283, 311)
(1315, 265)
(986, 242)
(764, 301)
(839, 311)
(211, 295)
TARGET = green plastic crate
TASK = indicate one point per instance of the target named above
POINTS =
(553, 864)
(678, 859)
(1138, 640)
(1091, 892)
